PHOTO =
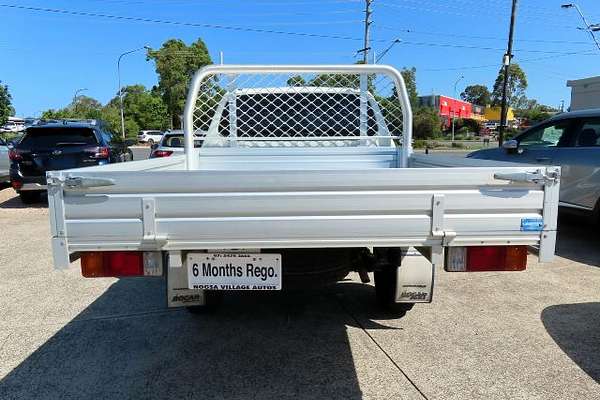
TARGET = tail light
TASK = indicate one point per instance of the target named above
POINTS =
(486, 258)
(16, 184)
(14, 155)
(96, 264)
(99, 152)
(160, 153)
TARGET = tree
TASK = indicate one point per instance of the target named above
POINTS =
(476, 94)
(175, 65)
(82, 107)
(426, 123)
(6, 109)
(517, 84)
(296, 80)
(143, 109)
(410, 80)
(532, 111)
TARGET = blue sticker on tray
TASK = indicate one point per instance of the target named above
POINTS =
(532, 224)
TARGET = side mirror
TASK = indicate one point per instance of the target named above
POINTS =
(510, 145)
(154, 146)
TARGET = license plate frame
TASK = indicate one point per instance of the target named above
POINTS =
(234, 271)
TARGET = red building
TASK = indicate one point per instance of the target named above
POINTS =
(447, 107)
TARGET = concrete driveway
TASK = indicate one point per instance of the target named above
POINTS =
(530, 335)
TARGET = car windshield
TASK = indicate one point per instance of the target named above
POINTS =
(53, 137)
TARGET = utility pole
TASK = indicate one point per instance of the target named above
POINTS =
(366, 48)
(506, 62)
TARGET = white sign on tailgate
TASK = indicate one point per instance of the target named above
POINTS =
(234, 271)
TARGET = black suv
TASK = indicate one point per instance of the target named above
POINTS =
(56, 145)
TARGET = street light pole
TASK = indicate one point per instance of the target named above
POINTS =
(120, 89)
(454, 112)
(506, 62)
(588, 27)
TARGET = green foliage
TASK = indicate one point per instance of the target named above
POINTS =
(175, 65)
(467, 125)
(517, 84)
(476, 94)
(143, 109)
(296, 80)
(6, 109)
(426, 123)
(82, 107)
(463, 131)
(410, 80)
(532, 111)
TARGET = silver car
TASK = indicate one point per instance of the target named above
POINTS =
(4, 161)
(571, 140)
(171, 144)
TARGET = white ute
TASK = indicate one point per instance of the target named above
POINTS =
(305, 173)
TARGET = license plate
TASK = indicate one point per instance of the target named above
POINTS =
(234, 271)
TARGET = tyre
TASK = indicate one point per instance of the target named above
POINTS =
(29, 197)
(386, 282)
(150, 142)
(212, 300)
(385, 287)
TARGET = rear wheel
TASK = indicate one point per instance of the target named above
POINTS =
(385, 287)
(29, 197)
(212, 300)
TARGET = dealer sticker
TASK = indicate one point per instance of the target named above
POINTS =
(234, 271)
(532, 224)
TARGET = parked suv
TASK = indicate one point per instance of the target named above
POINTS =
(571, 140)
(56, 145)
(150, 137)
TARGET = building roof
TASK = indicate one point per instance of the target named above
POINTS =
(584, 81)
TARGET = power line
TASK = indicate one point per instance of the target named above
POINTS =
(258, 30)
(430, 33)
(494, 15)
(168, 22)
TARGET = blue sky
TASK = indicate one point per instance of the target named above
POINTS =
(47, 56)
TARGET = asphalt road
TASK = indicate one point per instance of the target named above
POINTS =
(529, 335)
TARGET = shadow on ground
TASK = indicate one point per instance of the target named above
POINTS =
(574, 327)
(15, 202)
(578, 240)
(258, 345)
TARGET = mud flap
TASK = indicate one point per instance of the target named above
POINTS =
(414, 278)
(178, 294)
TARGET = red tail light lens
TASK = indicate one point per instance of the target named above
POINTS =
(96, 264)
(486, 258)
(99, 152)
(16, 184)
(161, 153)
(14, 155)
(112, 263)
